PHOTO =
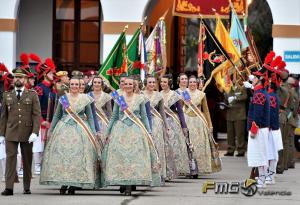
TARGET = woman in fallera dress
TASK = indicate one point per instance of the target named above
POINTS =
(129, 159)
(103, 105)
(70, 157)
(199, 128)
(159, 129)
(178, 131)
(182, 81)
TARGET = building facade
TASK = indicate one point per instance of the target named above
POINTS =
(79, 34)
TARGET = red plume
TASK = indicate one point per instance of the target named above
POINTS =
(7, 78)
(281, 65)
(276, 62)
(3, 67)
(49, 62)
(269, 57)
(24, 58)
(35, 57)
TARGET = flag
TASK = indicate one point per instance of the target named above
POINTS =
(211, 56)
(252, 48)
(115, 63)
(137, 56)
(224, 38)
(227, 43)
(156, 49)
(237, 33)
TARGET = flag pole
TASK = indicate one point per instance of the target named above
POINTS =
(228, 57)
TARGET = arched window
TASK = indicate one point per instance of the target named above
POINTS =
(76, 34)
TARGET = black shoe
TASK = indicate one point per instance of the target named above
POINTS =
(228, 154)
(27, 191)
(122, 189)
(7, 192)
(71, 190)
(63, 190)
(292, 166)
(128, 190)
(240, 155)
(279, 171)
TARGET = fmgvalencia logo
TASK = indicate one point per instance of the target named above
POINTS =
(247, 187)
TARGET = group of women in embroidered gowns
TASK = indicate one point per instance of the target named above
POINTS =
(143, 141)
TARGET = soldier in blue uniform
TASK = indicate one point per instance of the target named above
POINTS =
(258, 126)
(45, 77)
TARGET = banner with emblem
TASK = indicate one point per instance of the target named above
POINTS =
(212, 57)
(137, 56)
(115, 63)
(193, 8)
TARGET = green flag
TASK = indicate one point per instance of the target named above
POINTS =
(133, 54)
(115, 63)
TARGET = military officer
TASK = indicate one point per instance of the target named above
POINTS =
(19, 124)
(62, 85)
(236, 120)
(284, 98)
(292, 116)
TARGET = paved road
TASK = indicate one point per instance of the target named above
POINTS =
(182, 191)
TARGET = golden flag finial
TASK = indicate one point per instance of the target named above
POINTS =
(125, 28)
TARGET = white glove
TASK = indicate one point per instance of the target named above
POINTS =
(33, 137)
(247, 84)
(251, 77)
(2, 139)
(231, 99)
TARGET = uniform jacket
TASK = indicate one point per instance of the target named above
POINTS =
(292, 108)
(274, 110)
(237, 109)
(259, 109)
(284, 96)
(44, 91)
(20, 118)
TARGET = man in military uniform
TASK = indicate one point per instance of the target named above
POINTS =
(62, 85)
(284, 96)
(236, 120)
(19, 124)
(45, 73)
(292, 116)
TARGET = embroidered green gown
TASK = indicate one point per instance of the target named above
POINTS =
(69, 157)
(128, 159)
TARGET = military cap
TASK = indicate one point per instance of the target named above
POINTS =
(19, 72)
(77, 74)
(61, 74)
